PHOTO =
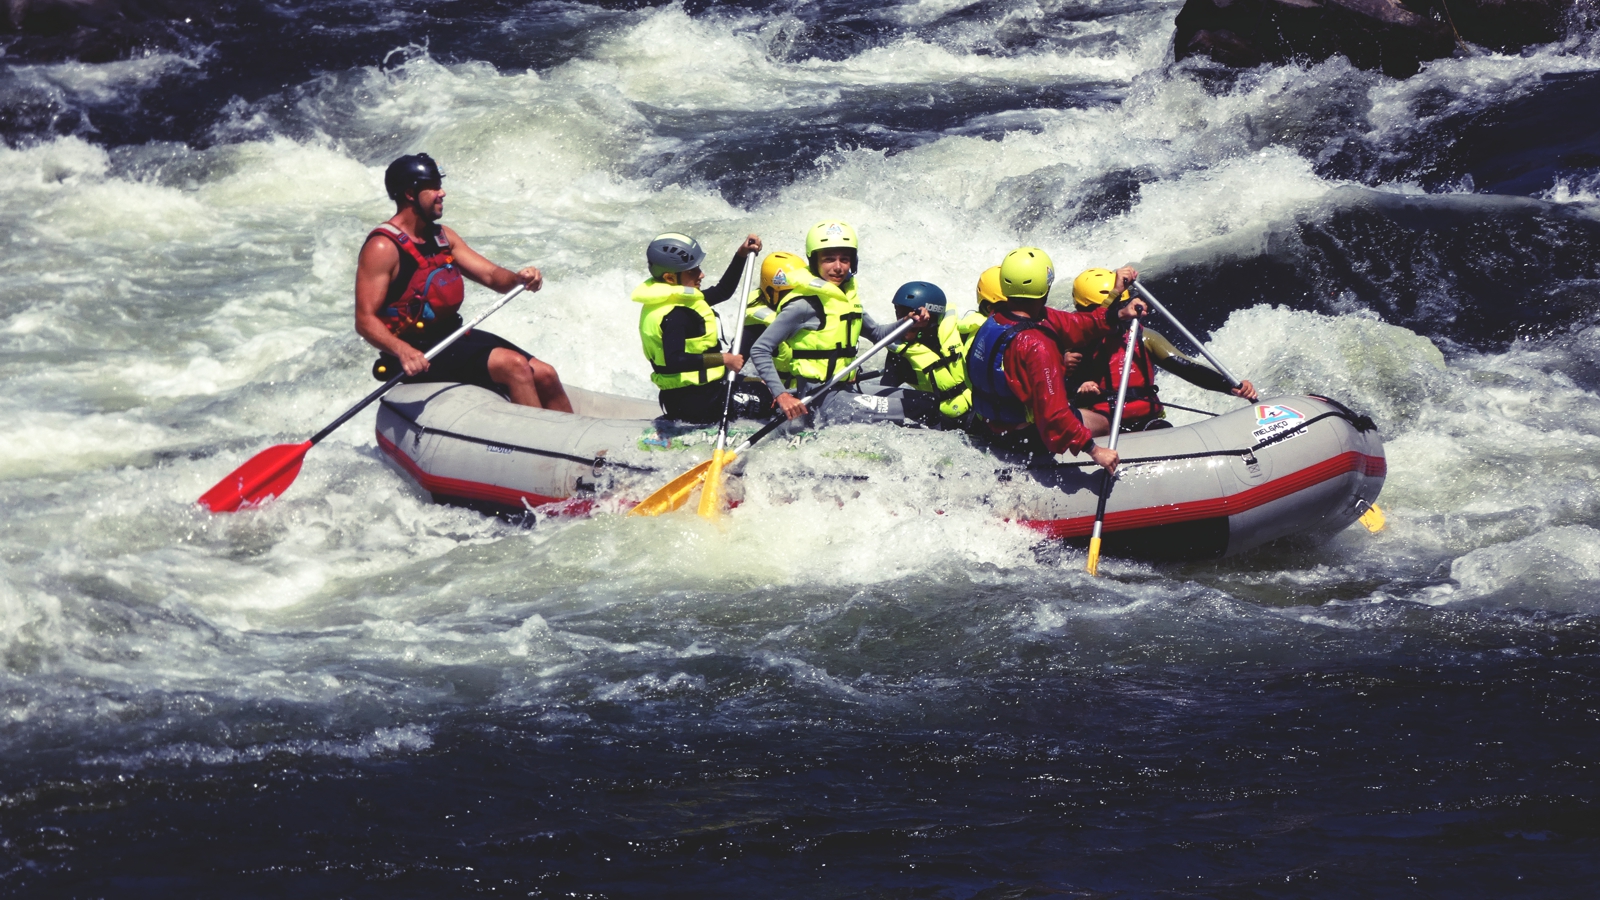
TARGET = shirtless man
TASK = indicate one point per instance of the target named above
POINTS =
(409, 291)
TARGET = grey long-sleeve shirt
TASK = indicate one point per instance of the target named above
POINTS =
(797, 315)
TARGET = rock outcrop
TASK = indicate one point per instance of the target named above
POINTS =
(1393, 36)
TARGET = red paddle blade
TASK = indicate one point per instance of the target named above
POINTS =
(266, 475)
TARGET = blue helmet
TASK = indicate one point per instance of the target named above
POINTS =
(921, 295)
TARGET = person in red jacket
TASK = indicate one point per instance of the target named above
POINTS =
(1019, 362)
(1098, 377)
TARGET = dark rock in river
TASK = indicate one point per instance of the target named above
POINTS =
(1509, 25)
(1389, 35)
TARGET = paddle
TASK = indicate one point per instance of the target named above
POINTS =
(269, 473)
(711, 494)
(1116, 427)
(675, 492)
(1232, 381)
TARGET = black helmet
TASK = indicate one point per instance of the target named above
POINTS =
(673, 252)
(921, 295)
(410, 172)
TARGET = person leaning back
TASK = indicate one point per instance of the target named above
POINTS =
(1098, 377)
(1018, 363)
(409, 291)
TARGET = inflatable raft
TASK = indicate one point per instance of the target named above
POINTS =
(1292, 465)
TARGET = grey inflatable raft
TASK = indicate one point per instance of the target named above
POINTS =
(1292, 465)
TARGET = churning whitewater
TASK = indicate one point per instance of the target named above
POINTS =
(355, 691)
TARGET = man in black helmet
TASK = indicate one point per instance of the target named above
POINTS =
(409, 293)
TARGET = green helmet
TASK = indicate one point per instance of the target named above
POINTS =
(830, 234)
(1026, 274)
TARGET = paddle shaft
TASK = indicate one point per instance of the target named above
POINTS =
(435, 351)
(1116, 427)
(816, 395)
(711, 487)
(1217, 363)
(743, 298)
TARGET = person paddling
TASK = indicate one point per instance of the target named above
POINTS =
(778, 277)
(1017, 365)
(933, 358)
(1096, 377)
(820, 324)
(678, 330)
(409, 291)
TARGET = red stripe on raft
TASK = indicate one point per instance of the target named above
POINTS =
(1219, 507)
(466, 490)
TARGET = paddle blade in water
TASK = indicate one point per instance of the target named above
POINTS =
(1094, 556)
(266, 475)
(1373, 519)
(711, 493)
(673, 494)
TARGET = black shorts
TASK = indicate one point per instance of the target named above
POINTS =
(701, 404)
(466, 361)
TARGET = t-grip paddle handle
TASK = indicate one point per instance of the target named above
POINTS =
(1217, 363)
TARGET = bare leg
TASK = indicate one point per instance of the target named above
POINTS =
(511, 369)
(548, 384)
(1098, 425)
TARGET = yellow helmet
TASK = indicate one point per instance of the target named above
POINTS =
(989, 287)
(780, 272)
(1026, 274)
(1093, 288)
(830, 234)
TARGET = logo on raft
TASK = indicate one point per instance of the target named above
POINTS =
(1271, 420)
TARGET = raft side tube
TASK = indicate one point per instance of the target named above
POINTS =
(1289, 465)
(468, 446)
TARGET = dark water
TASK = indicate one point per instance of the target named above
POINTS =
(357, 693)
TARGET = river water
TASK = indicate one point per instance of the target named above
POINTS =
(354, 692)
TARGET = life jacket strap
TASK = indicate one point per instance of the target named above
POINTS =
(675, 370)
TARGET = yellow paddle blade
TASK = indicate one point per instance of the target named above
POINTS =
(1094, 556)
(1374, 519)
(673, 494)
(711, 493)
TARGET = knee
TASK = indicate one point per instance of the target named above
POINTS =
(544, 375)
(507, 367)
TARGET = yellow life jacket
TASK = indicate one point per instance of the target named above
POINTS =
(658, 299)
(968, 324)
(820, 353)
(758, 313)
(942, 371)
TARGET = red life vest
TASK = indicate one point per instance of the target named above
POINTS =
(427, 303)
(1142, 401)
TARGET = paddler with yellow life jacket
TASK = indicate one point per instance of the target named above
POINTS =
(819, 324)
(1096, 378)
(1018, 362)
(409, 291)
(678, 330)
(932, 358)
(780, 271)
